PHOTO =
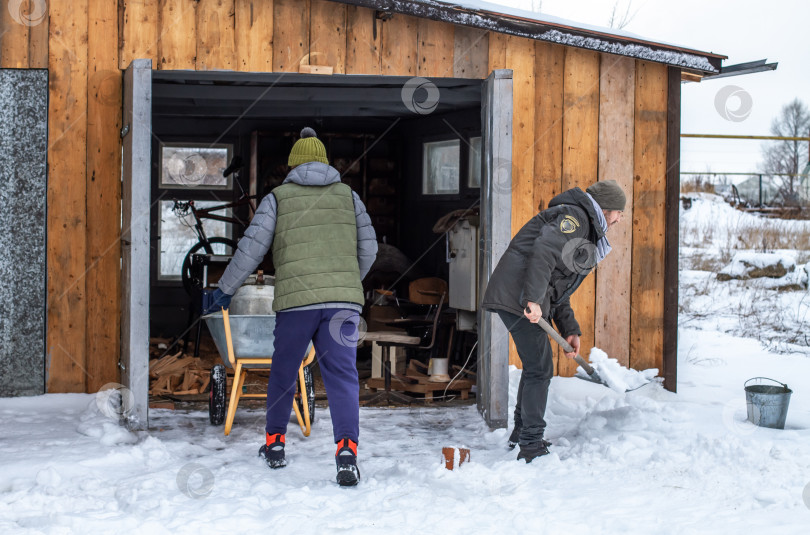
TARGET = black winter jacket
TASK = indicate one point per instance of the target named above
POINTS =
(547, 260)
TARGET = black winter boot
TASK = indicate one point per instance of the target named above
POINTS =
(532, 450)
(273, 451)
(346, 460)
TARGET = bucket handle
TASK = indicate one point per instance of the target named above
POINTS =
(767, 379)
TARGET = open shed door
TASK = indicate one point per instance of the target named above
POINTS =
(495, 234)
(137, 137)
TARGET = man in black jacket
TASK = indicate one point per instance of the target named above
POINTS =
(544, 264)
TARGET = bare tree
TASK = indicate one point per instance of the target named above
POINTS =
(788, 156)
(617, 19)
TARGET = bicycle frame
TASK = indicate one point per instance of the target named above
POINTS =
(205, 213)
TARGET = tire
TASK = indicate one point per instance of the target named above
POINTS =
(310, 387)
(185, 271)
(217, 395)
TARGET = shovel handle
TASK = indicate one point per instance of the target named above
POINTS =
(565, 345)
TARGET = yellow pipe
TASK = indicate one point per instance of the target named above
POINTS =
(771, 138)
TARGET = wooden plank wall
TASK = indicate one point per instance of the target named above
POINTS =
(103, 196)
(66, 338)
(587, 124)
(616, 108)
(549, 106)
(649, 200)
(579, 116)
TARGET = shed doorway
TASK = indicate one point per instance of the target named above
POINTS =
(410, 165)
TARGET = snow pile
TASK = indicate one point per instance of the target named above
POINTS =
(614, 375)
(752, 265)
(97, 421)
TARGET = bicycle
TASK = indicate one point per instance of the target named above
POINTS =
(181, 209)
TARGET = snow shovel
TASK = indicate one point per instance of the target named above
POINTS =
(592, 375)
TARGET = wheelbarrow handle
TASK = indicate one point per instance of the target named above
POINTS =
(565, 345)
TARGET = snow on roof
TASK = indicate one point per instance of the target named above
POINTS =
(533, 25)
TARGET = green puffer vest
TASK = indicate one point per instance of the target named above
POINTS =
(315, 246)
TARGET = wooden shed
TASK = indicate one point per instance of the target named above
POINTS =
(564, 105)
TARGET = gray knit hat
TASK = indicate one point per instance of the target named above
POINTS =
(608, 195)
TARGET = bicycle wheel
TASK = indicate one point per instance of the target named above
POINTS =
(216, 245)
(216, 395)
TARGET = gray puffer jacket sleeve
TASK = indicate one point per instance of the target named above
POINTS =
(366, 237)
(252, 247)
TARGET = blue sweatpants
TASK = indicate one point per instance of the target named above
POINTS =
(333, 331)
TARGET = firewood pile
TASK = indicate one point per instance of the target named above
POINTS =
(177, 375)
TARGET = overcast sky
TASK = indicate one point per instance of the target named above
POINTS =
(743, 30)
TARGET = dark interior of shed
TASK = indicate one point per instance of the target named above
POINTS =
(371, 136)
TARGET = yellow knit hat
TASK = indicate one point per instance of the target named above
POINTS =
(307, 149)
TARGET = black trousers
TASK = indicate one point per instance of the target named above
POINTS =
(535, 354)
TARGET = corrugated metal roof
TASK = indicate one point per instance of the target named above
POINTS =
(478, 14)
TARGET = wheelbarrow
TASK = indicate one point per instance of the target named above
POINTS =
(245, 343)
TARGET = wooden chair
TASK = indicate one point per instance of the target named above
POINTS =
(388, 340)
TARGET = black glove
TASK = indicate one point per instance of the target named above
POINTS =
(215, 301)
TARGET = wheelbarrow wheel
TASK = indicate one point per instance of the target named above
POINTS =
(217, 395)
(310, 393)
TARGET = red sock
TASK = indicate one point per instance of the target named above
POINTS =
(271, 439)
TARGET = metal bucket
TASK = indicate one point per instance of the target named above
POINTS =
(767, 404)
(252, 335)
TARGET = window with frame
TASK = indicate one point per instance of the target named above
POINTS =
(440, 167)
(194, 165)
(178, 236)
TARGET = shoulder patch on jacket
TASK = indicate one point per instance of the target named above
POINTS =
(569, 224)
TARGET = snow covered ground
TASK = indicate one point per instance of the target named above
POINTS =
(649, 461)
(646, 462)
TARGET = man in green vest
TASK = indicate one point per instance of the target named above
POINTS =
(323, 245)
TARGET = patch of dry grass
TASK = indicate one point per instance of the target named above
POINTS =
(697, 183)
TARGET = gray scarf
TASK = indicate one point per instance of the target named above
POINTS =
(603, 245)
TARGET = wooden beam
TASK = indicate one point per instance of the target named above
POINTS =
(67, 172)
(135, 246)
(216, 48)
(520, 59)
(38, 35)
(649, 221)
(617, 86)
(363, 42)
(548, 109)
(470, 52)
(496, 144)
(103, 201)
(670, 357)
(14, 25)
(290, 34)
(254, 35)
(399, 46)
(139, 31)
(435, 45)
(177, 34)
(496, 51)
(580, 165)
(327, 36)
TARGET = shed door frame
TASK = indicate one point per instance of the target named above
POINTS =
(495, 234)
(496, 176)
(135, 200)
